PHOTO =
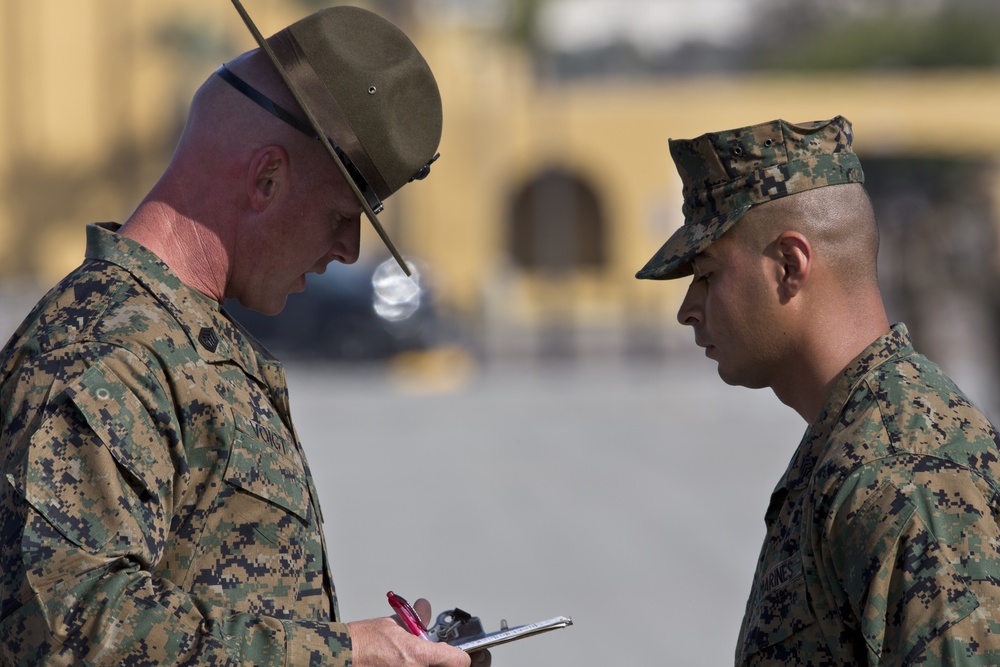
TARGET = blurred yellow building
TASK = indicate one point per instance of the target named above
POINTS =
(547, 198)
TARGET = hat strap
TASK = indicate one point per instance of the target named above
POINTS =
(264, 102)
(328, 112)
(279, 112)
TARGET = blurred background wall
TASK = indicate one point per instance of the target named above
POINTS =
(555, 183)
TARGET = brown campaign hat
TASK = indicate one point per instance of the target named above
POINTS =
(368, 95)
(724, 173)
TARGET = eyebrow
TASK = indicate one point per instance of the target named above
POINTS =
(703, 257)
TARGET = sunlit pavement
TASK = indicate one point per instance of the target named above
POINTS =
(627, 496)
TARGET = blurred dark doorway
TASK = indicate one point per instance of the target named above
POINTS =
(556, 229)
(556, 225)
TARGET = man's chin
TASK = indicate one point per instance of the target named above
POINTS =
(270, 307)
(729, 379)
(735, 379)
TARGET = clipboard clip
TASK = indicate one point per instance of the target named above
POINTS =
(456, 626)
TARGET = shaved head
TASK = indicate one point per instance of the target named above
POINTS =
(222, 115)
(838, 221)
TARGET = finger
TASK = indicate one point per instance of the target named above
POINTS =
(481, 659)
(444, 655)
(423, 609)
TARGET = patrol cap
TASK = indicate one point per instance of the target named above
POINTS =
(368, 95)
(724, 173)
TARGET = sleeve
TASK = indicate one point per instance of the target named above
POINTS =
(87, 499)
(918, 564)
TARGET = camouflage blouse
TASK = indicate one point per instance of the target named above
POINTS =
(883, 542)
(155, 503)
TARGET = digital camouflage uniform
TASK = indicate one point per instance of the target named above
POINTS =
(155, 503)
(883, 543)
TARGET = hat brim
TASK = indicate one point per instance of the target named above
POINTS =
(673, 259)
(322, 135)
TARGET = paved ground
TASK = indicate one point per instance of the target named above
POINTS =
(628, 497)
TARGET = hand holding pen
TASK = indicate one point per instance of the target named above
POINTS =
(411, 621)
(408, 616)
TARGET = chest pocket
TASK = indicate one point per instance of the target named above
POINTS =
(262, 469)
(778, 615)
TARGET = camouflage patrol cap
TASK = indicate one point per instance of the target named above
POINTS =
(724, 173)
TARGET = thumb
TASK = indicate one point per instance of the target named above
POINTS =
(423, 609)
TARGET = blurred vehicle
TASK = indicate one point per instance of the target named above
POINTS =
(360, 312)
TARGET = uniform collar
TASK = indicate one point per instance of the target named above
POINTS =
(893, 345)
(212, 334)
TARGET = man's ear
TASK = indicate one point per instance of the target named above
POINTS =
(266, 175)
(794, 254)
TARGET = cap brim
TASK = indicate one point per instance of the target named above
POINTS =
(321, 133)
(673, 259)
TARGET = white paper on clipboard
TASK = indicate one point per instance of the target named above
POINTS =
(511, 634)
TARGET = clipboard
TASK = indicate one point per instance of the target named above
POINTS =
(512, 634)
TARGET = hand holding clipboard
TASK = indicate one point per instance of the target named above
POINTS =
(464, 631)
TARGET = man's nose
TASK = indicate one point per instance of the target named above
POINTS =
(348, 241)
(690, 312)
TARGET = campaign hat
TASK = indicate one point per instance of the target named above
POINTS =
(367, 93)
(723, 174)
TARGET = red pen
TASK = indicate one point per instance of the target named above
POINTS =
(408, 615)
